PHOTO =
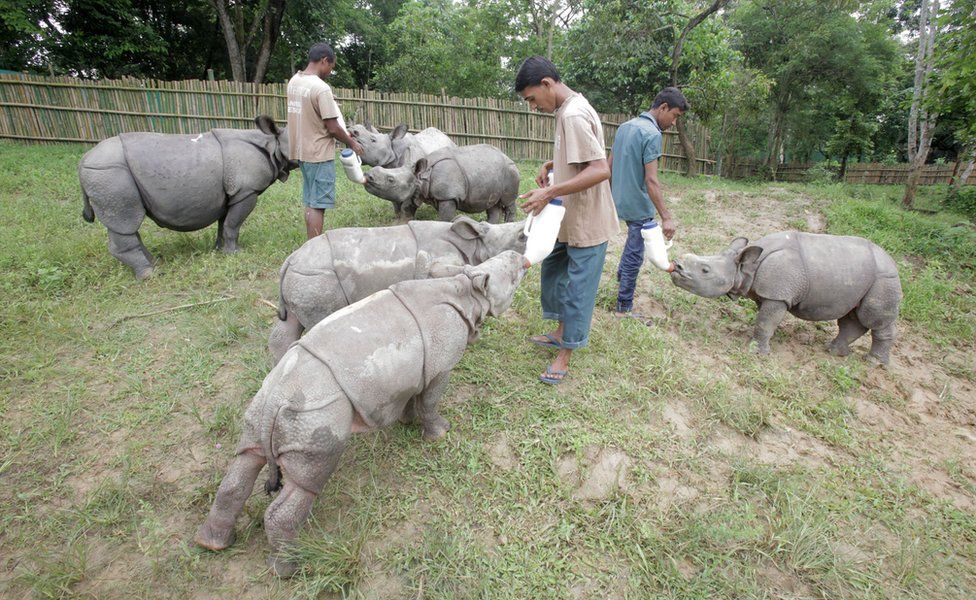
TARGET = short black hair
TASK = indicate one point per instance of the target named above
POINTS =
(533, 70)
(320, 51)
(673, 97)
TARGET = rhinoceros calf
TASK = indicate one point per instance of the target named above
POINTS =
(398, 148)
(814, 277)
(384, 358)
(182, 182)
(342, 266)
(471, 179)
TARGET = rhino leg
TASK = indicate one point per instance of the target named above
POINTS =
(432, 424)
(446, 210)
(495, 215)
(407, 211)
(771, 313)
(409, 415)
(325, 434)
(229, 227)
(509, 212)
(878, 312)
(283, 335)
(130, 250)
(849, 329)
(217, 532)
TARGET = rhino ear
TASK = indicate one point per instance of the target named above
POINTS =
(420, 167)
(466, 227)
(267, 125)
(749, 259)
(369, 126)
(735, 248)
(399, 131)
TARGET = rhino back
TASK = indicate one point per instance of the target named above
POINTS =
(180, 177)
(480, 176)
(838, 271)
(375, 351)
(370, 259)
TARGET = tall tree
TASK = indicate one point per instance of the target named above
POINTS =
(921, 120)
(242, 22)
(956, 63)
(695, 21)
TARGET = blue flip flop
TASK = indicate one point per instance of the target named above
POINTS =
(551, 341)
(548, 379)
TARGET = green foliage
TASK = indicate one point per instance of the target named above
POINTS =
(956, 60)
(820, 174)
(962, 200)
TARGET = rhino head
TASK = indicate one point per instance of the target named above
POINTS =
(715, 275)
(494, 239)
(398, 184)
(279, 149)
(497, 279)
(380, 149)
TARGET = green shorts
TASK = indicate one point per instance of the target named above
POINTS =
(318, 184)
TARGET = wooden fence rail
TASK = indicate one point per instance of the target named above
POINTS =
(869, 173)
(64, 109)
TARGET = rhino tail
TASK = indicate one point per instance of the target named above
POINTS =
(273, 484)
(87, 213)
(282, 309)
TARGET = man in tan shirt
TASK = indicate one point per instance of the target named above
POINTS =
(314, 125)
(571, 273)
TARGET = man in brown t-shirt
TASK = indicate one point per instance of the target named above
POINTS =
(580, 174)
(314, 125)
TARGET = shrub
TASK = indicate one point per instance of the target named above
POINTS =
(962, 201)
(820, 174)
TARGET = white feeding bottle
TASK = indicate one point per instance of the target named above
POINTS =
(655, 248)
(352, 165)
(542, 230)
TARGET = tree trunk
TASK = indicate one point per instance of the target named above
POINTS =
(234, 54)
(272, 27)
(966, 173)
(775, 140)
(686, 145)
(843, 169)
(921, 125)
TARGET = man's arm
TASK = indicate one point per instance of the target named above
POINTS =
(657, 197)
(542, 179)
(594, 172)
(339, 132)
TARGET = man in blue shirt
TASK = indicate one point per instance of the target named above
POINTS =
(635, 186)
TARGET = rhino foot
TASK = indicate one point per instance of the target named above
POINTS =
(759, 347)
(144, 274)
(876, 361)
(211, 539)
(838, 350)
(281, 566)
(436, 429)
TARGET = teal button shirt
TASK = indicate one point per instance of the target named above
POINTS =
(638, 142)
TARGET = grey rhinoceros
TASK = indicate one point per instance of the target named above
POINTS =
(814, 277)
(342, 266)
(398, 148)
(385, 358)
(471, 179)
(182, 182)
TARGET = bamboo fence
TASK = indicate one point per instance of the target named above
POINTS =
(867, 173)
(64, 109)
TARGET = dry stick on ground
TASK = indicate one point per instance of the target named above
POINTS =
(172, 309)
(266, 302)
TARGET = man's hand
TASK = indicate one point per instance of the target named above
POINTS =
(535, 200)
(542, 179)
(668, 226)
(356, 147)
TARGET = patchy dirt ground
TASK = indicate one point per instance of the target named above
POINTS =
(671, 460)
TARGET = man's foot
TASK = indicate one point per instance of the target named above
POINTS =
(552, 376)
(547, 340)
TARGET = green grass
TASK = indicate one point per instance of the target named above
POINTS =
(744, 476)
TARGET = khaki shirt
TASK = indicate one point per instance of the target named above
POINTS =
(310, 102)
(591, 217)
